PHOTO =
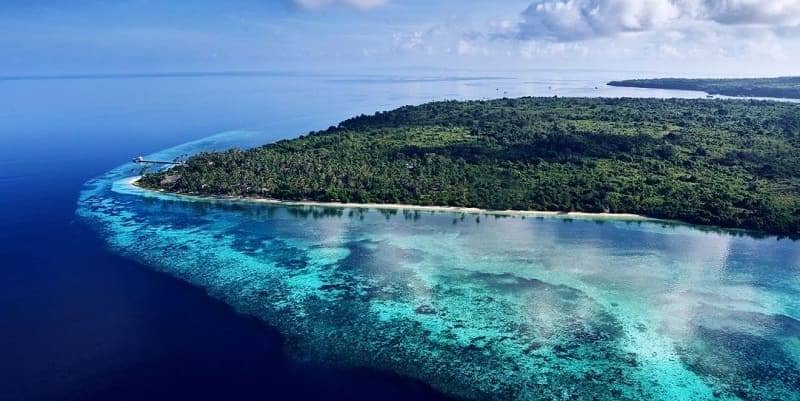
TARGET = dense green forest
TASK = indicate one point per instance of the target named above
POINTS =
(717, 162)
(783, 87)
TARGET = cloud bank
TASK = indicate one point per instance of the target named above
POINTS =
(575, 20)
(736, 12)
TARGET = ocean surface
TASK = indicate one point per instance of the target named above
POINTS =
(109, 292)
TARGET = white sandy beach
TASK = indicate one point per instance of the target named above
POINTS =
(392, 206)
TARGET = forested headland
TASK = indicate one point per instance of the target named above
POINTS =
(726, 163)
(783, 87)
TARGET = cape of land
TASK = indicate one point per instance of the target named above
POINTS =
(726, 163)
(783, 87)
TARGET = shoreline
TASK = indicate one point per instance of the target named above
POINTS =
(710, 95)
(396, 206)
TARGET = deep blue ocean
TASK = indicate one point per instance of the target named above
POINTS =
(83, 320)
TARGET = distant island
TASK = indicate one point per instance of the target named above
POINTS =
(783, 87)
(726, 163)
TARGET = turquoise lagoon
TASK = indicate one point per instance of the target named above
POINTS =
(482, 306)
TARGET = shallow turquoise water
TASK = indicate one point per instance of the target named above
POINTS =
(484, 307)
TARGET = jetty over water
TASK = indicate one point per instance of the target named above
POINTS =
(142, 160)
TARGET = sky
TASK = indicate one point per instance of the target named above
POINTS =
(666, 37)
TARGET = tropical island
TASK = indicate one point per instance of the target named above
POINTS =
(726, 163)
(782, 87)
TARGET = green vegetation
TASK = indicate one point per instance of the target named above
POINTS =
(726, 163)
(783, 87)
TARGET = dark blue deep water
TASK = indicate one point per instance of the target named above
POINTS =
(80, 322)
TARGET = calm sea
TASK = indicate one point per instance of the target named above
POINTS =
(82, 322)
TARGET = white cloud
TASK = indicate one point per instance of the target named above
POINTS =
(575, 20)
(699, 37)
(359, 4)
(466, 47)
(735, 12)
(420, 40)
(568, 20)
(534, 50)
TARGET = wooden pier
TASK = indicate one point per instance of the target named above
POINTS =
(142, 160)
